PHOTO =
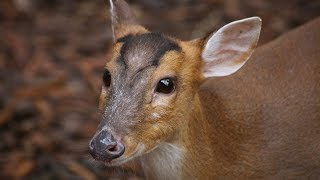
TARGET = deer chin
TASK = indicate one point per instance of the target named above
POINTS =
(125, 158)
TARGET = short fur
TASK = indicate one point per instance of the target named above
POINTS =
(260, 123)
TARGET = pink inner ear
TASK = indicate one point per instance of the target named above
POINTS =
(230, 47)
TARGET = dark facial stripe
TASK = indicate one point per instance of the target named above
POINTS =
(121, 59)
(154, 44)
(125, 38)
(167, 45)
(124, 47)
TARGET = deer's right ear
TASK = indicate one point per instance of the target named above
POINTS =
(123, 20)
(227, 50)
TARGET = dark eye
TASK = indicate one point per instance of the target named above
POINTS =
(106, 78)
(166, 86)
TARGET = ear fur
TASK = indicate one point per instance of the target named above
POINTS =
(230, 47)
(123, 19)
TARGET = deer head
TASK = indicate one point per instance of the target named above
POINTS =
(151, 80)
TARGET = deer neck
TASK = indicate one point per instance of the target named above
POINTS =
(167, 161)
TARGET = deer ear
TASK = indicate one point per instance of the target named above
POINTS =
(230, 47)
(122, 18)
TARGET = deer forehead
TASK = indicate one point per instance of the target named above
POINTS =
(144, 50)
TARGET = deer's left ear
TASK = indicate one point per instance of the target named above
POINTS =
(230, 47)
(123, 20)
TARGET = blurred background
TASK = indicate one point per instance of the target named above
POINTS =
(52, 53)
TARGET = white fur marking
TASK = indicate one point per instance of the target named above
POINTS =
(155, 116)
(164, 162)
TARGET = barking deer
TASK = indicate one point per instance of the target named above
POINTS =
(161, 107)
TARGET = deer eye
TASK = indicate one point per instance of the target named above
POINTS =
(166, 86)
(106, 78)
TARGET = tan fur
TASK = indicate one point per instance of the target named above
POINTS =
(261, 123)
(126, 29)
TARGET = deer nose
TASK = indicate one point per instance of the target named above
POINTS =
(104, 147)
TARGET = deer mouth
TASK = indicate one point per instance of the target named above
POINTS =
(125, 158)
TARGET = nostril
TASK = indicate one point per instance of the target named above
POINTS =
(116, 151)
(113, 148)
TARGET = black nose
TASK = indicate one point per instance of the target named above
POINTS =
(104, 147)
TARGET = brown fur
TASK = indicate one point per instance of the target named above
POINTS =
(261, 123)
(264, 121)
